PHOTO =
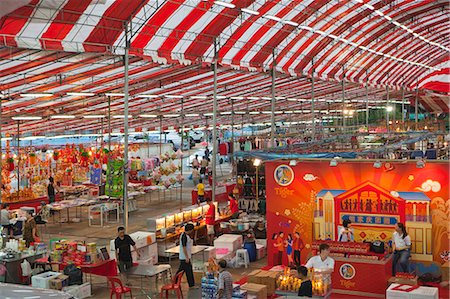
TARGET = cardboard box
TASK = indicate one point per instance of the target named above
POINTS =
(261, 251)
(258, 290)
(57, 283)
(268, 279)
(209, 253)
(198, 277)
(253, 277)
(42, 281)
(228, 242)
(410, 281)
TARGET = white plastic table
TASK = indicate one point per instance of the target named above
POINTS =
(195, 250)
(150, 271)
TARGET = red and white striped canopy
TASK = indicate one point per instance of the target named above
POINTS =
(61, 46)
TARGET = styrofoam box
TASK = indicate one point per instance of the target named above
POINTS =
(261, 251)
(262, 242)
(209, 253)
(425, 293)
(394, 294)
(79, 291)
(42, 281)
(230, 242)
(140, 238)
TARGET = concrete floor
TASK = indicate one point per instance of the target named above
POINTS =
(157, 205)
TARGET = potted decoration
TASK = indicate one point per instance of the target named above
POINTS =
(10, 164)
(32, 157)
(55, 155)
(74, 159)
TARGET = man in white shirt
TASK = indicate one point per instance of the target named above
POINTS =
(322, 262)
(185, 256)
(401, 243)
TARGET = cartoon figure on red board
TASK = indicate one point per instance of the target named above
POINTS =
(279, 245)
(298, 247)
(288, 244)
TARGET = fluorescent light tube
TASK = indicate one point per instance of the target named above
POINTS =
(249, 11)
(62, 116)
(35, 95)
(81, 94)
(225, 4)
(26, 118)
(94, 116)
(114, 94)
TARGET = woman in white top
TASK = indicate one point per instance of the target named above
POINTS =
(345, 233)
(401, 243)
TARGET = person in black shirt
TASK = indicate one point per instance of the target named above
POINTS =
(51, 190)
(123, 245)
(306, 286)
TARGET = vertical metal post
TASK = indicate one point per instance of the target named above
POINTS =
(416, 108)
(18, 160)
(214, 141)
(313, 114)
(125, 126)
(387, 107)
(109, 123)
(232, 138)
(101, 136)
(272, 114)
(160, 135)
(367, 102)
(343, 99)
(181, 156)
(403, 106)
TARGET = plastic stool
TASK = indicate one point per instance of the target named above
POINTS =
(242, 258)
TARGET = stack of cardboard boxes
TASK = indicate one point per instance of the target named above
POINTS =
(266, 278)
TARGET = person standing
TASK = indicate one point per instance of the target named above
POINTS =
(345, 233)
(200, 192)
(123, 244)
(225, 282)
(195, 162)
(203, 166)
(305, 289)
(185, 254)
(233, 206)
(52, 188)
(401, 243)
(29, 230)
(4, 220)
(298, 247)
(210, 221)
(289, 242)
(195, 176)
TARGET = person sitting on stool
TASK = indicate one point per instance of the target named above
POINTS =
(401, 243)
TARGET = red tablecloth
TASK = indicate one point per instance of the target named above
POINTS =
(221, 197)
(103, 268)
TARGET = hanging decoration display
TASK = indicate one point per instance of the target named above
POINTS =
(114, 178)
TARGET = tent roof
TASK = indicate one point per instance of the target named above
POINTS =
(62, 46)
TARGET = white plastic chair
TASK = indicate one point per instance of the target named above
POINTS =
(242, 258)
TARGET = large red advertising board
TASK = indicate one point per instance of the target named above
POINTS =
(396, 191)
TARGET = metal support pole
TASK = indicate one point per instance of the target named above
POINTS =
(109, 123)
(181, 156)
(272, 114)
(232, 138)
(403, 106)
(416, 108)
(160, 135)
(387, 107)
(313, 112)
(367, 102)
(125, 126)
(18, 160)
(343, 99)
(214, 141)
(101, 136)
